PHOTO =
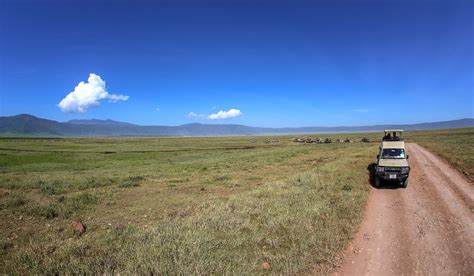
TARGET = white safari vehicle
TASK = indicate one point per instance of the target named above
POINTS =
(392, 160)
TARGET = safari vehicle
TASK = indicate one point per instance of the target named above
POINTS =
(392, 160)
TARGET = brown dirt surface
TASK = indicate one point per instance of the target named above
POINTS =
(427, 228)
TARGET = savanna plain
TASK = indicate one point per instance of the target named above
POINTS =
(190, 205)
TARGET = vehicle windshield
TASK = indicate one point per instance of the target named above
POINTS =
(393, 154)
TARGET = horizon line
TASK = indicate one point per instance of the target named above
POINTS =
(210, 124)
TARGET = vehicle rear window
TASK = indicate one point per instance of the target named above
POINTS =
(393, 154)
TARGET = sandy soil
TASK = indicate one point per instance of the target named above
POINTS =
(427, 228)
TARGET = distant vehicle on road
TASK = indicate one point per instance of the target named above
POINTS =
(392, 160)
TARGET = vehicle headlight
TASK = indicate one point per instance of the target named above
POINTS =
(380, 169)
(405, 170)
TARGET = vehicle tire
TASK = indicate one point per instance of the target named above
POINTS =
(404, 183)
(377, 182)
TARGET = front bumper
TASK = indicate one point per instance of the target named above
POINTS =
(391, 173)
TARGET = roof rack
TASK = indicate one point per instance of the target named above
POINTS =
(394, 130)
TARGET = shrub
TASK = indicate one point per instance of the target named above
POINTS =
(81, 201)
(221, 178)
(51, 188)
(49, 211)
(132, 181)
(16, 200)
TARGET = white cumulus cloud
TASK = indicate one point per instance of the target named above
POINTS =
(88, 94)
(225, 114)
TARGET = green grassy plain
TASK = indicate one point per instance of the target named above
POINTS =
(454, 145)
(181, 205)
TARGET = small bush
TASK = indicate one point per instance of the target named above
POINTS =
(81, 201)
(233, 184)
(64, 206)
(222, 178)
(15, 201)
(132, 181)
(51, 188)
(49, 211)
(88, 183)
(347, 187)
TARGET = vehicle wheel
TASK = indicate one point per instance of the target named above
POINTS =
(404, 183)
(377, 182)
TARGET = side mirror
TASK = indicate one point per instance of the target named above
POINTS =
(379, 156)
(408, 156)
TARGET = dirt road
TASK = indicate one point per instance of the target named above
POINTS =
(427, 228)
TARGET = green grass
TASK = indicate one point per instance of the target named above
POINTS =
(454, 145)
(180, 205)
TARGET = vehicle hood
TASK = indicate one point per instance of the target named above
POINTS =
(393, 163)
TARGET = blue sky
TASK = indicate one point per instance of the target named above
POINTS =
(291, 63)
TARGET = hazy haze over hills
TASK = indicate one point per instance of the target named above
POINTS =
(97, 122)
(28, 125)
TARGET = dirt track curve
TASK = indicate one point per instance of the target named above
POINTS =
(427, 228)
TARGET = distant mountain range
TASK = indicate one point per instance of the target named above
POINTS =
(98, 122)
(28, 125)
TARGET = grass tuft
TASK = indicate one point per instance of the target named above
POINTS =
(222, 178)
(63, 206)
(51, 188)
(16, 200)
(132, 181)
